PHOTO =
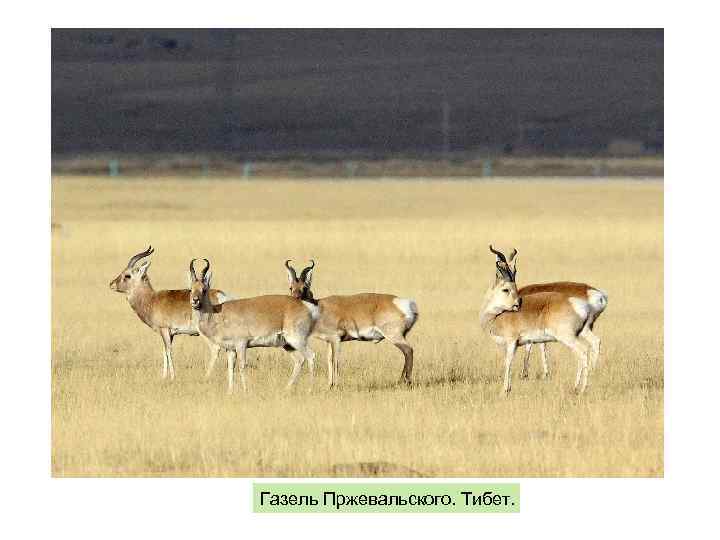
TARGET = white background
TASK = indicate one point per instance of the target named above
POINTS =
(682, 503)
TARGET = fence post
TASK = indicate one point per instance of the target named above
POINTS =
(487, 168)
(351, 168)
(599, 169)
(114, 168)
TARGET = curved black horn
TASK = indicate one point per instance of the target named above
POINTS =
(305, 271)
(504, 271)
(499, 255)
(205, 270)
(136, 258)
(512, 255)
(291, 269)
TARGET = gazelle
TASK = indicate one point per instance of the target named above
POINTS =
(597, 302)
(362, 317)
(167, 312)
(541, 317)
(262, 321)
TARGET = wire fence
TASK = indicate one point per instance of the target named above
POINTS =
(199, 166)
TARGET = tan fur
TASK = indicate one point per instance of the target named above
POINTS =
(548, 312)
(538, 312)
(570, 289)
(362, 317)
(345, 316)
(261, 321)
(254, 317)
(167, 312)
(567, 287)
(167, 309)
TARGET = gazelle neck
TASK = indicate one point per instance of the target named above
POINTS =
(487, 319)
(206, 310)
(140, 298)
(488, 313)
(308, 297)
(199, 315)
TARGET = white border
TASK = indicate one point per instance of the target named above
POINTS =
(679, 504)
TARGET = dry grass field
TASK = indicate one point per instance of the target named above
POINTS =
(112, 414)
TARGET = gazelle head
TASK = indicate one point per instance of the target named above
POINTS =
(503, 295)
(300, 286)
(199, 285)
(133, 274)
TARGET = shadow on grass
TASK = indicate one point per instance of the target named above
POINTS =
(368, 469)
(453, 377)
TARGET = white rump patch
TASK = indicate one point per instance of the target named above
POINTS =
(313, 309)
(598, 300)
(408, 307)
(221, 297)
(581, 307)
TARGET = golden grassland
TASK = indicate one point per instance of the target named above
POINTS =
(112, 414)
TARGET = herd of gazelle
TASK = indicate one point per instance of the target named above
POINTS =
(563, 312)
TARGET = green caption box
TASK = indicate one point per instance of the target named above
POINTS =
(386, 498)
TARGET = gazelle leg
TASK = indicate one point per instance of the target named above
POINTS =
(167, 350)
(231, 372)
(509, 354)
(525, 373)
(330, 368)
(164, 373)
(545, 368)
(580, 349)
(407, 350)
(214, 353)
(594, 342)
(334, 362)
(299, 359)
(309, 355)
(311, 362)
(170, 360)
(395, 336)
(241, 354)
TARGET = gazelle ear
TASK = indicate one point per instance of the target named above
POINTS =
(207, 278)
(308, 278)
(189, 278)
(142, 268)
(514, 267)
